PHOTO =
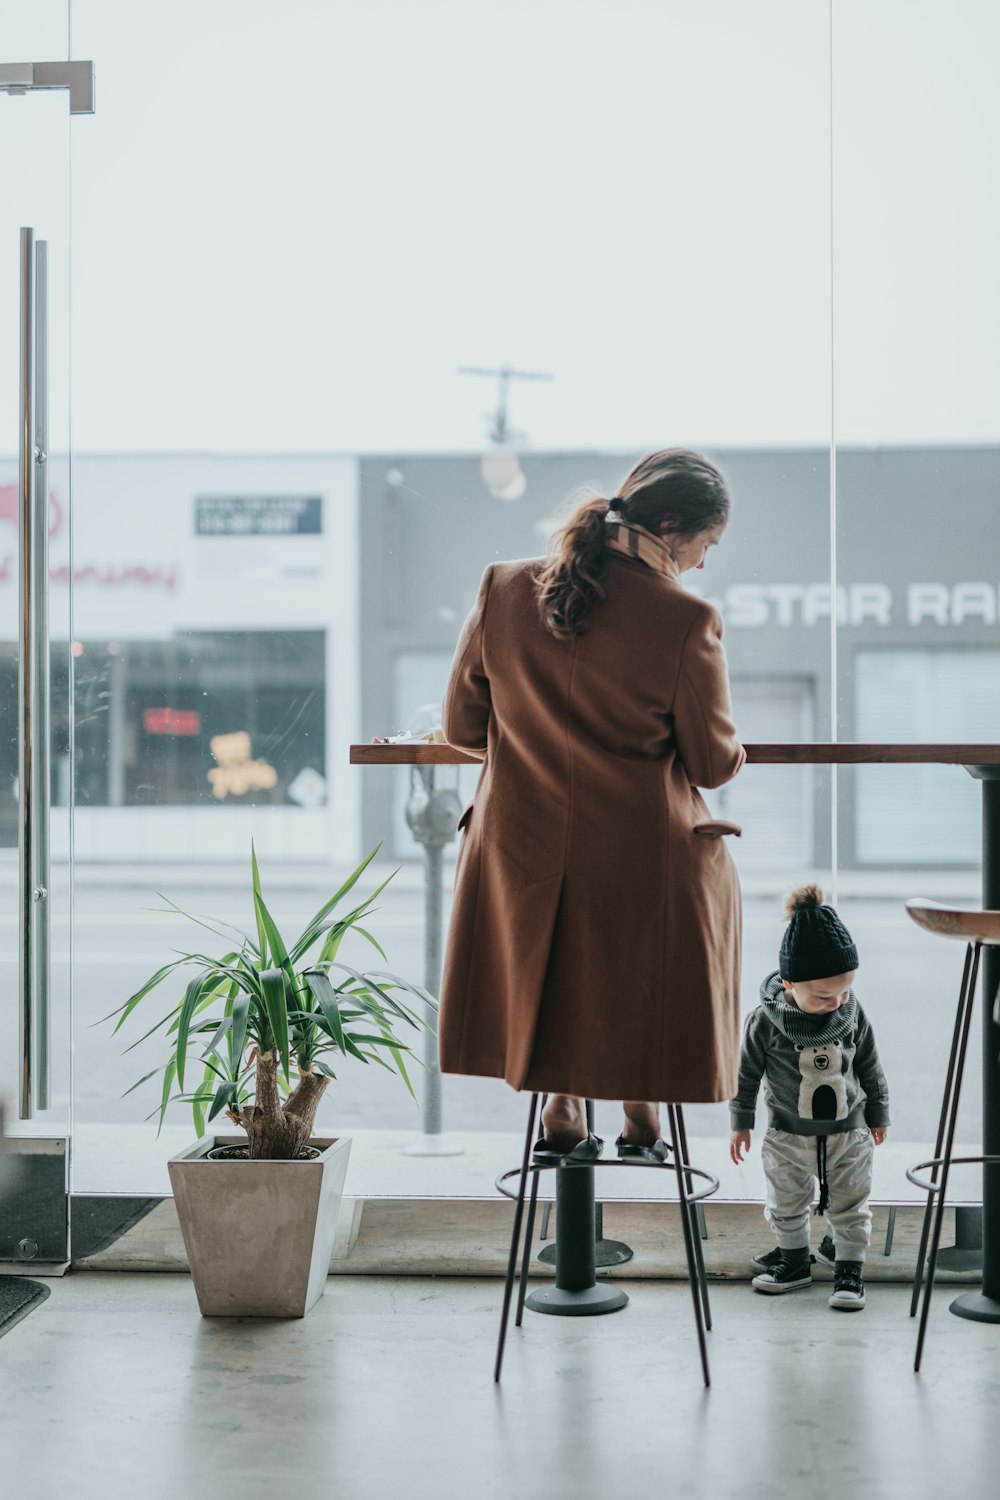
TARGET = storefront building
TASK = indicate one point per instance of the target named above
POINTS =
(214, 642)
(913, 641)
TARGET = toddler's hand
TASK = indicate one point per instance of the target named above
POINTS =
(879, 1133)
(739, 1144)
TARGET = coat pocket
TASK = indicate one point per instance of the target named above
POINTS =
(717, 828)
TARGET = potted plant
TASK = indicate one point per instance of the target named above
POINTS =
(258, 1211)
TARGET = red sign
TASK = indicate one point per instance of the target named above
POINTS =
(10, 507)
(181, 721)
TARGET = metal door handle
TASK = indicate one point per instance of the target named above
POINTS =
(33, 623)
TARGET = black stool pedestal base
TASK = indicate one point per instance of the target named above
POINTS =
(592, 1300)
(606, 1252)
(966, 1254)
(977, 1307)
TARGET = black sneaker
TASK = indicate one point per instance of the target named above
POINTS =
(785, 1275)
(769, 1258)
(848, 1286)
(827, 1251)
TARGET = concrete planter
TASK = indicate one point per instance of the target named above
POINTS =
(258, 1234)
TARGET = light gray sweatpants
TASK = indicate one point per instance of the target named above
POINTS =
(790, 1168)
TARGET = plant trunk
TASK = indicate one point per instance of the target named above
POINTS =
(276, 1131)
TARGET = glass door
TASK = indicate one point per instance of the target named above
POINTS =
(39, 98)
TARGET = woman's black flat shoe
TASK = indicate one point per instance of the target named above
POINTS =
(629, 1151)
(545, 1154)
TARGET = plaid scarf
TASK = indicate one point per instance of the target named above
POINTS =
(635, 541)
(801, 1029)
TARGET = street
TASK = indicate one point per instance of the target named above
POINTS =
(907, 983)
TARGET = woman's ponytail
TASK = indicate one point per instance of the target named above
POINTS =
(570, 583)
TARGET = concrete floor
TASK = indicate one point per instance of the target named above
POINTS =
(115, 1387)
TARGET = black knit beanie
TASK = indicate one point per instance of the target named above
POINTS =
(816, 944)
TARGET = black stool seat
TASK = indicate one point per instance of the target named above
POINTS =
(602, 1297)
(977, 929)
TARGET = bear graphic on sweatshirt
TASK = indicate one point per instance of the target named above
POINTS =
(822, 1090)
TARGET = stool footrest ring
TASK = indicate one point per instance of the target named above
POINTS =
(939, 1161)
(711, 1183)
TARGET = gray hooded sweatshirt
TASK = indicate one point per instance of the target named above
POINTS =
(822, 1074)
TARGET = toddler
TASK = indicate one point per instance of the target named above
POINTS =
(827, 1102)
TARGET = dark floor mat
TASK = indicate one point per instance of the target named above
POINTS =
(99, 1220)
(18, 1297)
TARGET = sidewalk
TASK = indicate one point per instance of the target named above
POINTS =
(878, 885)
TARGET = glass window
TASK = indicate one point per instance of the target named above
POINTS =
(214, 717)
(732, 250)
(922, 815)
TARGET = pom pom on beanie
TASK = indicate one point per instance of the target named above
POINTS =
(816, 944)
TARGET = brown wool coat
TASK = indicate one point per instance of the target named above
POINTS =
(594, 946)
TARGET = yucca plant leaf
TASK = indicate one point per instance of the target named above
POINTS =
(374, 941)
(202, 1095)
(152, 1030)
(272, 984)
(234, 967)
(169, 1073)
(174, 1099)
(191, 997)
(211, 924)
(124, 1011)
(315, 926)
(209, 995)
(331, 946)
(337, 927)
(401, 1069)
(255, 876)
(381, 1040)
(138, 1084)
(409, 985)
(355, 1051)
(198, 1102)
(373, 1007)
(366, 1057)
(279, 953)
(368, 983)
(326, 998)
(224, 1026)
(215, 1068)
(223, 1096)
(238, 1033)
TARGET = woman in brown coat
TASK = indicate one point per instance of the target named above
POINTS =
(594, 949)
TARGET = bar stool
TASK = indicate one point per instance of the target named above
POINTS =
(689, 1200)
(976, 929)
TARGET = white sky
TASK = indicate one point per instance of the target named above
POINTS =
(293, 221)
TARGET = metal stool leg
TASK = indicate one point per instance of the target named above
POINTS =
(522, 1285)
(694, 1211)
(516, 1234)
(688, 1239)
(946, 1155)
(890, 1229)
(939, 1139)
